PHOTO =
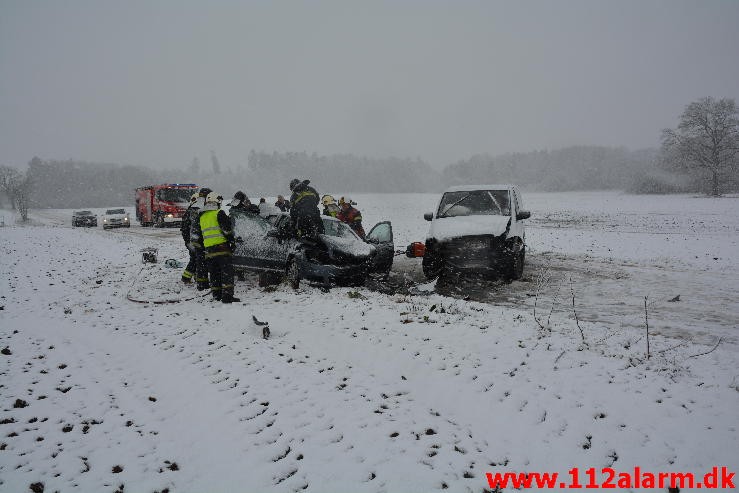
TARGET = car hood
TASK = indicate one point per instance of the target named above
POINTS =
(348, 246)
(453, 227)
(115, 216)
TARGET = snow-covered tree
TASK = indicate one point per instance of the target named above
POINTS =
(707, 138)
(9, 179)
(17, 186)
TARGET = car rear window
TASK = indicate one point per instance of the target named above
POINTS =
(115, 211)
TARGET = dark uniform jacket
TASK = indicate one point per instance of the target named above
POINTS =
(353, 218)
(304, 210)
(187, 219)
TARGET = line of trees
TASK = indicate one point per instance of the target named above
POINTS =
(571, 168)
(700, 154)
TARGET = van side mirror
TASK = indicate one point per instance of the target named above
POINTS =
(523, 215)
(428, 216)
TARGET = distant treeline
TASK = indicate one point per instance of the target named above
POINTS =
(74, 184)
(572, 168)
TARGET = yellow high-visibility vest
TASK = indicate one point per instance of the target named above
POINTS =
(212, 234)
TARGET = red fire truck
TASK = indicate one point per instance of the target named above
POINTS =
(163, 205)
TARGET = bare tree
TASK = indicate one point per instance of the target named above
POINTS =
(22, 196)
(707, 138)
(17, 186)
(195, 166)
(9, 180)
(216, 163)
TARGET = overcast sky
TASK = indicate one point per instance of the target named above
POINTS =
(158, 82)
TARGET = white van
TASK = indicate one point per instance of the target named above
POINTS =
(477, 229)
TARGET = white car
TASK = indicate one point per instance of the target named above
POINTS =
(116, 218)
(477, 229)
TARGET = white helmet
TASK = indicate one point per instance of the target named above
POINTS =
(214, 198)
(194, 197)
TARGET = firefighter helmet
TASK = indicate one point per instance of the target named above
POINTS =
(194, 197)
(293, 183)
(213, 198)
(327, 200)
(204, 191)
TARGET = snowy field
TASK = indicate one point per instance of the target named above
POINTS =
(422, 389)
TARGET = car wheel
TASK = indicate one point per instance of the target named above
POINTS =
(432, 265)
(515, 267)
(519, 266)
(267, 279)
(293, 274)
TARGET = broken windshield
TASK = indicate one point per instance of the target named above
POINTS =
(475, 203)
(338, 229)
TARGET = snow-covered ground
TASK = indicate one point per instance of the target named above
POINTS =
(360, 390)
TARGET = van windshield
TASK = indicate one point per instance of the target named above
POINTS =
(475, 203)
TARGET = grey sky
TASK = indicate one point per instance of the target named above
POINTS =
(158, 82)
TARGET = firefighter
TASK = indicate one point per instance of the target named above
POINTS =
(192, 211)
(218, 241)
(282, 204)
(350, 215)
(304, 210)
(241, 203)
(329, 206)
(196, 243)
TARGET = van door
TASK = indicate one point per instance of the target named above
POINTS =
(381, 236)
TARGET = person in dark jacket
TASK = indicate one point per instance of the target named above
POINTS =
(218, 241)
(196, 243)
(282, 204)
(304, 209)
(192, 211)
(351, 216)
(241, 203)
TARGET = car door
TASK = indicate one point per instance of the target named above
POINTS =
(381, 236)
(260, 247)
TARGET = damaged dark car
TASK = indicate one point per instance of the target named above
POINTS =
(338, 257)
